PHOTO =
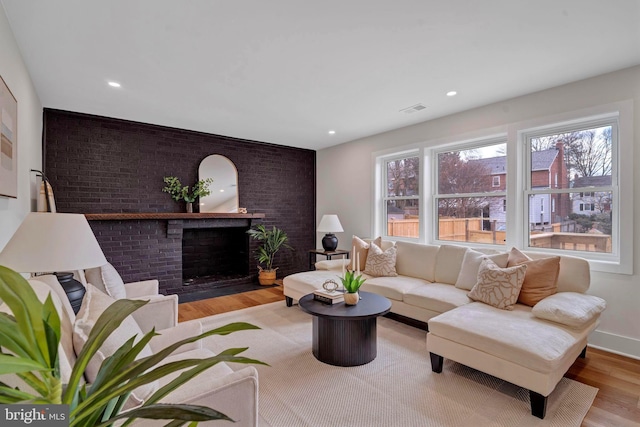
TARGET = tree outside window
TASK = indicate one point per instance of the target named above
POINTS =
(402, 196)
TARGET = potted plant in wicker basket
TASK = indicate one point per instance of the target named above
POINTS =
(272, 241)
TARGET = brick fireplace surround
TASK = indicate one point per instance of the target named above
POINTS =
(100, 165)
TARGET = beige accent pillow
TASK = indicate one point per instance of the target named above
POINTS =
(497, 286)
(573, 309)
(107, 279)
(94, 304)
(516, 257)
(541, 279)
(471, 263)
(381, 263)
(362, 248)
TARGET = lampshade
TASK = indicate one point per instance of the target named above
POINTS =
(48, 242)
(330, 224)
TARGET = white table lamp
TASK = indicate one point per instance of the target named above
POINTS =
(54, 242)
(330, 224)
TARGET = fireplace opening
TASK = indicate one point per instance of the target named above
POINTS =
(214, 259)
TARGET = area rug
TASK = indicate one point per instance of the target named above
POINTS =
(398, 388)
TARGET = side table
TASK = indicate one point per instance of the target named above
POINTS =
(328, 254)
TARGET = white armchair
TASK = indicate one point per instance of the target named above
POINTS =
(235, 393)
(107, 279)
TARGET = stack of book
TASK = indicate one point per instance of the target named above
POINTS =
(327, 297)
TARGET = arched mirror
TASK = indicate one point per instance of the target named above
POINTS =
(224, 189)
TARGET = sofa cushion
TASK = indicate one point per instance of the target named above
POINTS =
(448, 263)
(392, 287)
(107, 279)
(516, 335)
(541, 278)
(416, 260)
(570, 308)
(497, 286)
(468, 275)
(438, 297)
(381, 263)
(94, 304)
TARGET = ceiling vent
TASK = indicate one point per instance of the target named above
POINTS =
(413, 109)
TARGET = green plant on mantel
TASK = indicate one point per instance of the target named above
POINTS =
(178, 192)
(29, 343)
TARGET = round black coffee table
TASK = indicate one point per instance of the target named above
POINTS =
(345, 335)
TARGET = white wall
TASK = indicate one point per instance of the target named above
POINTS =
(347, 189)
(16, 76)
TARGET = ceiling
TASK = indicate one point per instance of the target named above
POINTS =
(288, 71)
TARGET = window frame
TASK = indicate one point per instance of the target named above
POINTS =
(476, 143)
(615, 261)
(381, 225)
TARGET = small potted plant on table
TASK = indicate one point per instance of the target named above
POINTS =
(272, 241)
(351, 283)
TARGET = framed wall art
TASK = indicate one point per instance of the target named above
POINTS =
(8, 142)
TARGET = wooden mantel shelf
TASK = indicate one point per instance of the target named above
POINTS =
(169, 215)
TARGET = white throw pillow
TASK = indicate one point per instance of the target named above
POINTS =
(381, 263)
(448, 263)
(94, 304)
(570, 308)
(471, 264)
(107, 279)
(497, 286)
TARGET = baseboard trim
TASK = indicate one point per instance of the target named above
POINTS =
(617, 344)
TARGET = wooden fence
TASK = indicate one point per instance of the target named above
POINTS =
(470, 230)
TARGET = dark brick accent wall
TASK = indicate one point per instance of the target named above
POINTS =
(104, 165)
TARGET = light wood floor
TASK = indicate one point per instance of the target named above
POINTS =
(618, 378)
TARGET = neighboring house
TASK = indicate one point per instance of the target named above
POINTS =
(548, 170)
(590, 202)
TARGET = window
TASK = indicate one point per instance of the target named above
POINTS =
(469, 206)
(567, 191)
(583, 157)
(402, 196)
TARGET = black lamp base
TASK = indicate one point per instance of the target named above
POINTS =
(329, 242)
(75, 290)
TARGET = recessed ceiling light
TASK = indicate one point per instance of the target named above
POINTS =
(332, 132)
(114, 84)
(452, 93)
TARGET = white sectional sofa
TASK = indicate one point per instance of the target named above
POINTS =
(530, 346)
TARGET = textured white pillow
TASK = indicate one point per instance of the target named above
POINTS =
(94, 304)
(570, 308)
(497, 286)
(471, 264)
(381, 263)
(107, 279)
